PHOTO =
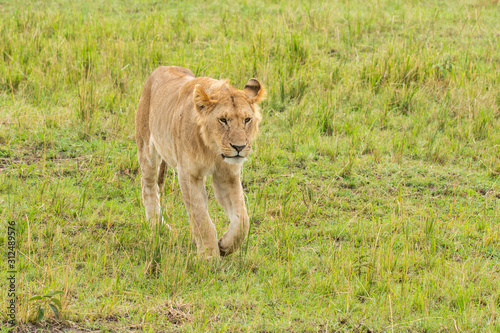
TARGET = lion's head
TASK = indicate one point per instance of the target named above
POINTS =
(229, 118)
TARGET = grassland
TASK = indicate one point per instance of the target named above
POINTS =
(373, 189)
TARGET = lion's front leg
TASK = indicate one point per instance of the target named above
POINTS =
(195, 199)
(229, 193)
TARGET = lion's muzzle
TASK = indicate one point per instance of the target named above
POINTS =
(233, 159)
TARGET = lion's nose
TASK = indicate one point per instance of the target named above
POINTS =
(238, 148)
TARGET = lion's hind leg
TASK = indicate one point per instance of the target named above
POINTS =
(162, 172)
(149, 161)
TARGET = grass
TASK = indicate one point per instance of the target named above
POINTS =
(373, 190)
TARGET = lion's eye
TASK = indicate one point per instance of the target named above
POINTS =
(247, 120)
(223, 120)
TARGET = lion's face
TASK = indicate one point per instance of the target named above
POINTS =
(229, 119)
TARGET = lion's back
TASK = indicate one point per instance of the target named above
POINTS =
(159, 94)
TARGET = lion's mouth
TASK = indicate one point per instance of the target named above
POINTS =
(235, 156)
(236, 159)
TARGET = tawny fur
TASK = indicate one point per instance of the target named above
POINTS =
(200, 127)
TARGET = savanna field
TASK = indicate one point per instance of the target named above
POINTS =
(373, 189)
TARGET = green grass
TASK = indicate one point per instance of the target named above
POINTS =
(373, 189)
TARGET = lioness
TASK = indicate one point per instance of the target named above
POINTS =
(199, 126)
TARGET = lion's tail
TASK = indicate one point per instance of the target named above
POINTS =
(161, 174)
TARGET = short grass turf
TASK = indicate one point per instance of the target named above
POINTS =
(373, 189)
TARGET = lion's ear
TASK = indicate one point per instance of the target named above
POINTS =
(255, 91)
(201, 99)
